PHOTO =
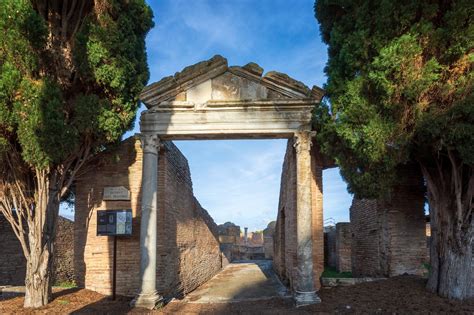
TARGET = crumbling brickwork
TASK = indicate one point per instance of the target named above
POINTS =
(366, 238)
(13, 262)
(330, 238)
(389, 235)
(64, 252)
(343, 247)
(285, 243)
(268, 235)
(187, 243)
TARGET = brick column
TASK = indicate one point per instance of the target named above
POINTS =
(147, 296)
(305, 292)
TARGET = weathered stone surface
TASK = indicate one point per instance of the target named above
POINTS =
(168, 87)
(116, 193)
(317, 92)
(285, 240)
(187, 242)
(283, 80)
(231, 83)
(230, 119)
(254, 68)
(229, 86)
(344, 282)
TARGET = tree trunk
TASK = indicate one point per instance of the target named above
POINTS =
(41, 236)
(451, 235)
(38, 277)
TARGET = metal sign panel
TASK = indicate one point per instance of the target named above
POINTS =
(114, 222)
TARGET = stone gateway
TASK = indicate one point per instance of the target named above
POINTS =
(211, 100)
(175, 246)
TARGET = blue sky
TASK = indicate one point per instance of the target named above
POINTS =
(239, 181)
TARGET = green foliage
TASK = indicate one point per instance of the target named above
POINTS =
(48, 118)
(399, 86)
(330, 272)
(66, 284)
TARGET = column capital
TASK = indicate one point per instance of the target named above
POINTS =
(303, 140)
(150, 143)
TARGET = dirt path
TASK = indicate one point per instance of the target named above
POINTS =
(399, 295)
(240, 282)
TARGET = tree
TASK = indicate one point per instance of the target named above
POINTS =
(400, 90)
(70, 74)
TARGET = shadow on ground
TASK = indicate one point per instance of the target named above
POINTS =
(398, 295)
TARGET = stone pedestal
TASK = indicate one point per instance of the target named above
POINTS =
(147, 296)
(305, 292)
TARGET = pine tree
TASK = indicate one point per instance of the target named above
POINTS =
(70, 74)
(400, 90)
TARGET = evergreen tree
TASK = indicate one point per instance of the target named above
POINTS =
(70, 74)
(400, 89)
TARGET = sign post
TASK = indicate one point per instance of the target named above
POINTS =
(114, 223)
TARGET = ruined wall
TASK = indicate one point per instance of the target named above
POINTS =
(330, 239)
(268, 235)
(343, 247)
(366, 238)
(64, 252)
(389, 235)
(285, 232)
(13, 262)
(187, 243)
(285, 258)
(317, 165)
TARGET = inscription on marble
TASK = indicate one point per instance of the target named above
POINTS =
(116, 193)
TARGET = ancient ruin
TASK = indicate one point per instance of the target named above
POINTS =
(13, 262)
(176, 243)
(211, 100)
(187, 245)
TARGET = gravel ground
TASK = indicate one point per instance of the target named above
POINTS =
(399, 295)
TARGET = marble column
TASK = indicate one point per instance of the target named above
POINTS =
(305, 292)
(147, 296)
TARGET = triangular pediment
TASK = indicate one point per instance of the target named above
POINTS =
(214, 81)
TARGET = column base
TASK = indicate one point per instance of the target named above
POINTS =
(306, 298)
(147, 300)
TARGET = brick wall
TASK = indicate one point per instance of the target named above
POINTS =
(366, 234)
(13, 262)
(330, 239)
(64, 252)
(285, 259)
(268, 235)
(318, 163)
(187, 246)
(389, 235)
(343, 247)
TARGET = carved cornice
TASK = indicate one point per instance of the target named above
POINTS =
(150, 143)
(303, 140)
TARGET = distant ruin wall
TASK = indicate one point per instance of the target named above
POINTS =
(13, 262)
(337, 247)
(285, 242)
(187, 242)
(389, 235)
(343, 247)
(331, 246)
(268, 235)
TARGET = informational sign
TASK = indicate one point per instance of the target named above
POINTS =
(116, 193)
(114, 222)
